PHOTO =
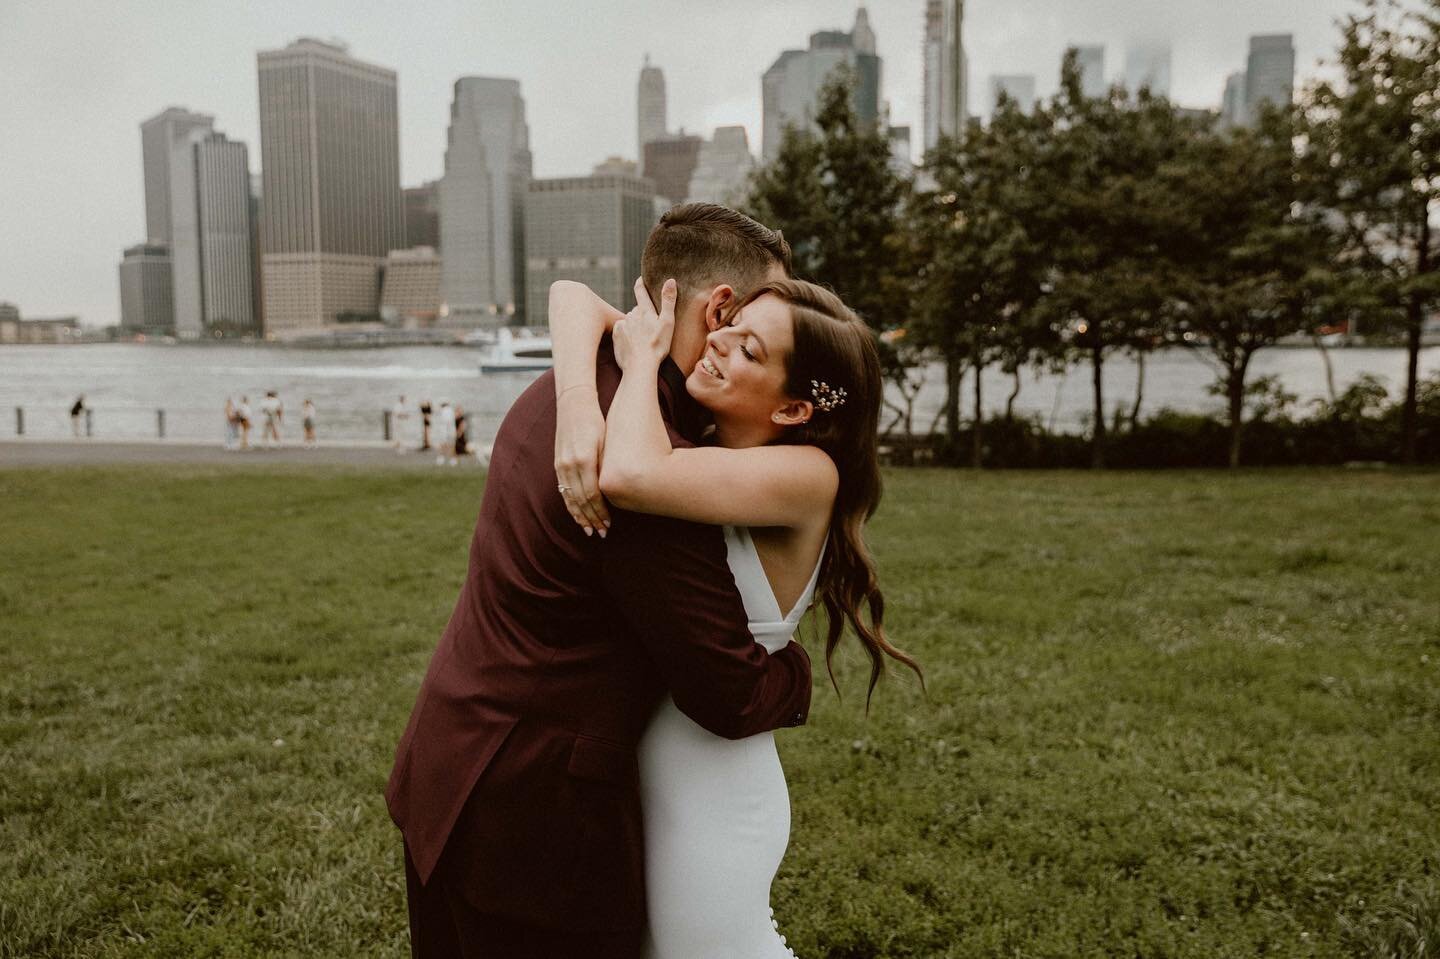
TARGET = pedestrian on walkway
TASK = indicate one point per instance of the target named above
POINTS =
(232, 423)
(243, 412)
(274, 412)
(77, 410)
(399, 422)
(424, 425)
(462, 433)
(445, 435)
(307, 414)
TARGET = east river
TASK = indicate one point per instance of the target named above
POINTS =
(125, 384)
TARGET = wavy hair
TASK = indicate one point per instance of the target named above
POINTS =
(834, 347)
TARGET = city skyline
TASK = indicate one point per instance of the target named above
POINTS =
(70, 213)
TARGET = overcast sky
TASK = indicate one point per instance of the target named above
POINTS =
(78, 76)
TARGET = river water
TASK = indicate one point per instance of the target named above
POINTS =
(125, 384)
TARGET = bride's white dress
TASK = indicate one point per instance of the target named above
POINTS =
(717, 811)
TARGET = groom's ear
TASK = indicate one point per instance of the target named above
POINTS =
(715, 306)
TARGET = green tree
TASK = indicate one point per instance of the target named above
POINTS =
(1247, 250)
(838, 199)
(1376, 136)
(1104, 224)
(978, 262)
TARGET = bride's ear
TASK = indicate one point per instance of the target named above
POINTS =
(720, 299)
(794, 413)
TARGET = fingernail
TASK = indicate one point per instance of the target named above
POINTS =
(602, 534)
(588, 531)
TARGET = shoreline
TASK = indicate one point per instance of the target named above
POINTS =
(18, 453)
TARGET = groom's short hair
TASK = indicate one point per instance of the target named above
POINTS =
(704, 244)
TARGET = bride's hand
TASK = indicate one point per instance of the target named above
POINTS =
(579, 448)
(644, 335)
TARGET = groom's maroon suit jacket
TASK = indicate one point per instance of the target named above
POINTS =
(518, 763)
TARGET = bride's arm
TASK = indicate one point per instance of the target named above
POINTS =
(578, 321)
(758, 486)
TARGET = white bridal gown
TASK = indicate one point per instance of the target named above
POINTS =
(717, 812)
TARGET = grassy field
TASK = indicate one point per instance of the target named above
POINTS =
(1170, 715)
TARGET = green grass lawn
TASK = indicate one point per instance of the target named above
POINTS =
(1169, 714)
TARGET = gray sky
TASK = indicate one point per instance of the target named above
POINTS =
(78, 76)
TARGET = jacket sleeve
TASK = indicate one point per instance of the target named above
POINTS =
(672, 584)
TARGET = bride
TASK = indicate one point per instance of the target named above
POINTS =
(793, 384)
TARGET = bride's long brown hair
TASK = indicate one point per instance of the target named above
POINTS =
(834, 351)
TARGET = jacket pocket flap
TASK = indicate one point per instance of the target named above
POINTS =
(600, 761)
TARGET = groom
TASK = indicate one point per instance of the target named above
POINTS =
(515, 784)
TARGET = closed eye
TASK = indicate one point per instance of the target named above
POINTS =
(748, 355)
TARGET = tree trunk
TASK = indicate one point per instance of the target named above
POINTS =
(1097, 442)
(953, 372)
(1329, 367)
(1235, 392)
(1010, 400)
(1414, 322)
(977, 442)
(1139, 390)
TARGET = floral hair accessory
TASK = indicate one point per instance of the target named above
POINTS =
(826, 399)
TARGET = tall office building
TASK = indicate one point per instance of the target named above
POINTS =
(722, 170)
(670, 163)
(1232, 106)
(223, 240)
(1147, 66)
(482, 204)
(650, 107)
(422, 215)
(1269, 73)
(157, 138)
(330, 158)
(1090, 58)
(945, 93)
(1018, 87)
(145, 289)
(592, 229)
(790, 89)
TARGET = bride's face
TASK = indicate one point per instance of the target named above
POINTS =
(741, 375)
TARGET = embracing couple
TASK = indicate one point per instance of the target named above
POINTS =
(589, 769)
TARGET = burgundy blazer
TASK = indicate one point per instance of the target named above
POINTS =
(518, 763)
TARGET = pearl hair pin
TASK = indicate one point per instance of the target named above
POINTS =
(826, 398)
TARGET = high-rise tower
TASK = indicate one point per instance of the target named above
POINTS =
(790, 89)
(1269, 73)
(330, 158)
(482, 204)
(157, 137)
(650, 108)
(944, 97)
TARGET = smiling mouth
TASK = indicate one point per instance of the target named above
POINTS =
(708, 365)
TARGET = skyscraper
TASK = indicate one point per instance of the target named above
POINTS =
(790, 89)
(945, 94)
(157, 138)
(1232, 107)
(592, 229)
(145, 290)
(722, 168)
(422, 215)
(482, 197)
(1090, 58)
(1269, 73)
(1147, 66)
(1019, 87)
(650, 107)
(670, 162)
(330, 152)
(222, 195)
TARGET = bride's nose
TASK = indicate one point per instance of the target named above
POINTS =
(718, 340)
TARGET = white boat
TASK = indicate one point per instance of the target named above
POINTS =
(523, 353)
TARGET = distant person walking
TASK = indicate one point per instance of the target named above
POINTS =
(243, 412)
(445, 435)
(232, 424)
(399, 418)
(424, 425)
(307, 417)
(77, 410)
(462, 433)
(274, 412)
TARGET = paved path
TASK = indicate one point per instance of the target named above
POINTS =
(38, 453)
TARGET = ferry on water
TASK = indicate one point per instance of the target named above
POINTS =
(522, 352)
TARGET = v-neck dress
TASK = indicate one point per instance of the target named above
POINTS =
(717, 811)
